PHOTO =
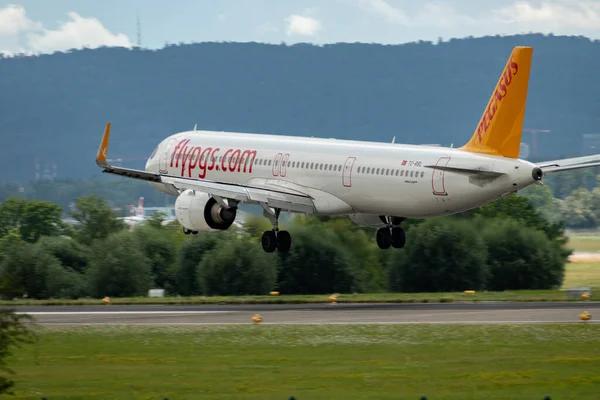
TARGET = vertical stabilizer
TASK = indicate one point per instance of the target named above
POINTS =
(140, 209)
(499, 130)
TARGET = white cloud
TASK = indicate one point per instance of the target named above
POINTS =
(14, 20)
(436, 14)
(21, 35)
(580, 14)
(77, 33)
(391, 13)
(302, 26)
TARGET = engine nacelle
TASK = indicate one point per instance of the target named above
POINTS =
(197, 211)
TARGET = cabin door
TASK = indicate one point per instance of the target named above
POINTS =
(437, 178)
(347, 172)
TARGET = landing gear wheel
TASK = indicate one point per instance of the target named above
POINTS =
(398, 238)
(269, 241)
(384, 238)
(194, 232)
(186, 231)
(284, 241)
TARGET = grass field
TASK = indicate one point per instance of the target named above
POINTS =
(312, 362)
(582, 274)
(588, 243)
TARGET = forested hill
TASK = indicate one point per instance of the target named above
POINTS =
(54, 107)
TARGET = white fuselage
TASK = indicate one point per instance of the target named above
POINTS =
(348, 176)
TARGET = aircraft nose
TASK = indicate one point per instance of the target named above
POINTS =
(149, 165)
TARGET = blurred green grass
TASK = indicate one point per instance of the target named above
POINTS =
(311, 362)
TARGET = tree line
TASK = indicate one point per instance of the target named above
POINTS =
(504, 245)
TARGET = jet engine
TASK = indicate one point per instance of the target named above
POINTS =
(198, 212)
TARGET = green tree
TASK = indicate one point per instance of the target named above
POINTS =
(7, 241)
(69, 252)
(160, 250)
(30, 270)
(191, 254)
(256, 226)
(97, 220)
(578, 210)
(520, 209)
(445, 254)
(33, 218)
(15, 331)
(156, 220)
(365, 257)
(237, 268)
(119, 267)
(318, 262)
(522, 258)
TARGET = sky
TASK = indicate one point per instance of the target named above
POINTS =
(42, 26)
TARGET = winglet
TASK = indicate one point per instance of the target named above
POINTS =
(499, 130)
(103, 149)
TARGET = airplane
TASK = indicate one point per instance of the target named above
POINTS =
(137, 217)
(376, 184)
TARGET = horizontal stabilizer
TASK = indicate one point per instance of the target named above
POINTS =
(570, 163)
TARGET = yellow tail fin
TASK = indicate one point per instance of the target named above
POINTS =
(499, 130)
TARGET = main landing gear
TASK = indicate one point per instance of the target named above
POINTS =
(391, 235)
(188, 231)
(276, 239)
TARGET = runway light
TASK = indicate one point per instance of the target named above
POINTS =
(274, 293)
(585, 296)
(585, 316)
(469, 292)
(257, 319)
(333, 299)
(106, 300)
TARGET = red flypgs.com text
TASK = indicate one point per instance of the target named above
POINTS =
(499, 93)
(190, 158)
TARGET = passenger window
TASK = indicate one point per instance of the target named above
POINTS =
(377, 171)
(387, 171)
(270, 162)
(422, 174)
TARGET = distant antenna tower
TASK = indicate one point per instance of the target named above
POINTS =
(38, 175)
(139, 30)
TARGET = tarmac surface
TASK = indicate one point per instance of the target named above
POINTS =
(448, 313)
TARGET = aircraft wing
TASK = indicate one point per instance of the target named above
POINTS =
(286, 200)
(566, 164)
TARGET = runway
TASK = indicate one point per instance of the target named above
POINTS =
(473, 313)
